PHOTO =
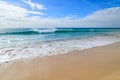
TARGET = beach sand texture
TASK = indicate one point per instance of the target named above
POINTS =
(100, 63)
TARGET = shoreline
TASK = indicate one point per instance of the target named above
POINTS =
(54, 48)
(98, 63)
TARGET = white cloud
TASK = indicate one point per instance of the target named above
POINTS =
(7, 10)
(17, 17)
(106, 17)
(34, 5)
(29, 3)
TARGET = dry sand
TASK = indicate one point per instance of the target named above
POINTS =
(100, 63)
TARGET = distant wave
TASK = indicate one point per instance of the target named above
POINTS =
(74, 30)
(20, 33)
(50, 30)
(27, 32)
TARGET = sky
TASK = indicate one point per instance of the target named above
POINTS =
(59, 13)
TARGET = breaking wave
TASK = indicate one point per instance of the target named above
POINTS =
(31, 31)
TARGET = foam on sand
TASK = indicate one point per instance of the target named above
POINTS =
(54, 48)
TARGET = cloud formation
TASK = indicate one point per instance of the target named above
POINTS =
(7, 10)
(12, 16)
(34, 5)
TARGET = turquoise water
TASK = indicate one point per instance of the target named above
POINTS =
(31, 42)
(56, 33)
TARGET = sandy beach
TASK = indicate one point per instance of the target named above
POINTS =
(100, 63)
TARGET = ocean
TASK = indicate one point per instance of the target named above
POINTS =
(25, 43)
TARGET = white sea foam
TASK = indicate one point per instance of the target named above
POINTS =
(53, 48)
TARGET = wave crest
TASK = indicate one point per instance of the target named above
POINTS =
(32, 31)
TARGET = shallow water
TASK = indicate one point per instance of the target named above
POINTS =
(16, 44)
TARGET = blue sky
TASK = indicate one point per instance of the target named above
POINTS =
(62, 8)
(62, 12)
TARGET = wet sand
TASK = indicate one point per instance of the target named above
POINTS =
(100, 63)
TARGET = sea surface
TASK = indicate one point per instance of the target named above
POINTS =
(25, 43)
